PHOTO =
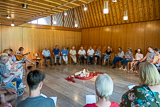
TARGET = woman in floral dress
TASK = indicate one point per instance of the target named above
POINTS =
(148, 93)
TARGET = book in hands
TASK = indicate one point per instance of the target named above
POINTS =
(90, 99)
(9, 79)
(54, 98)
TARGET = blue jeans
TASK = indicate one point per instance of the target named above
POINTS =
(125, 61)
(55, 58)
(18, 81)
(90, 57)
(45, 58)
(115, 60)
(10, 85)
(107, 57)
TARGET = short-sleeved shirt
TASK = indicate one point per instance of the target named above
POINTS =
(46, 53)
(139, 56)
(37, 102)
(121, 54)
(98, 53)
(140, 96)
(108, 53)
(90, 52)
(113, 104)
(150, 55)
(73, 52)
(82, 52)
(56, 51)
(64, 52)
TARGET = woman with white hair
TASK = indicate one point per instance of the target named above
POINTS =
(148, 93)
(138, 57)
(73, 55)
(104, 89)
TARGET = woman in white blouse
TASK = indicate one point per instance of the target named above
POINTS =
(73, 55)
(138, 57)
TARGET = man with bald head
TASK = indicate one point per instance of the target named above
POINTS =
(47, 55)
(82, 55)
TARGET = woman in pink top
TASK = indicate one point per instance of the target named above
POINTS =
(104, 89)
(138, 57)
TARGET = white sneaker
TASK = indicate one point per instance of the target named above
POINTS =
(124, 69)
(21, 86)
(120, 68)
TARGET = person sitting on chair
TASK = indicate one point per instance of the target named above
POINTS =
(26, 60)
(103, 89)
(150, 55)
(4, 73)
(107, 55)
(47, 55)
(64, 53)
(97, 55)
(56, 54)
(8, 97)
(118, 57)
(156, 59)
(90, 54)
(73, 55)
(147, 94)
(35, 82)
(128, 57)
(82, 55)
(138, 57)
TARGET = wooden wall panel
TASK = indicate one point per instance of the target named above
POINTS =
(11, 37)
(135, 36)
(105, 36)
(35, 40)
(152, 34)
(118, 35)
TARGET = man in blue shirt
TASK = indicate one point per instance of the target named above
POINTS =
(56, 54)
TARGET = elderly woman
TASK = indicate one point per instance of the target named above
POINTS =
(104, 89)
(148, 93)
(97, 55)
(73, 55)
(128, 57)
(64, 53)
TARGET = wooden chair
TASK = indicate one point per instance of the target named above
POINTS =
(36, 57)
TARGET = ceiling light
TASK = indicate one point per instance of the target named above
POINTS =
(24, 6)
(105, 9)
(85, 8)
(8, 16)
(76, 25)
(65, 13)
(54, 20)
(114, 0)
(12, 23)
(125, 17)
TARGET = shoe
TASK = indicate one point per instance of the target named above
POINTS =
(51, 64)
(55, 64)
(89, 63)
(95, 64)
(20, 92)
(111, 64)
(80, 63)
(21, 86)
(113, 67)
(120, 68)
(59, 64)
(124, 69)
(46, 65)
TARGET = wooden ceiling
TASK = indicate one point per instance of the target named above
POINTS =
(36, 9)
(138, 11)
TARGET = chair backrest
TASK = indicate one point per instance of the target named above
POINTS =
(103, 50)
